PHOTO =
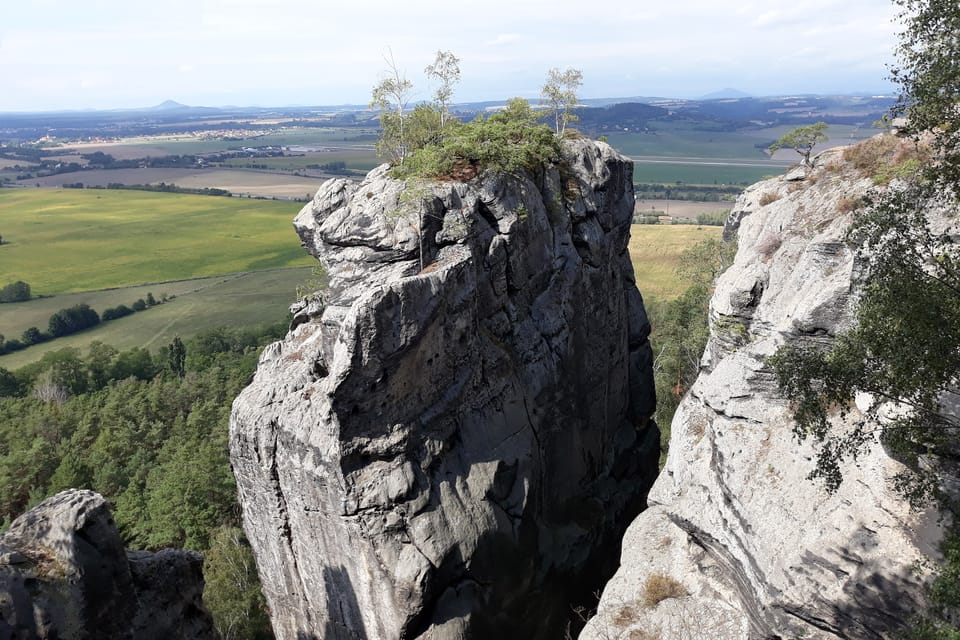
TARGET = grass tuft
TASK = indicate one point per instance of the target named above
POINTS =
(660, 587)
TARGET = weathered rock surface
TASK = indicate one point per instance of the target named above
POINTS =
(64, 574)
(452, 451)
(763, 551)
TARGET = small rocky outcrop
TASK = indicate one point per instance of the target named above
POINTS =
(734, 523)
(450, 443)
(64, 575)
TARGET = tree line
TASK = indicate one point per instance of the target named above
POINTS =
(73, 320)
(148, 430)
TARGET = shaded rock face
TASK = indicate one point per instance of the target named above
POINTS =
(763, 551)
(452, 451)
(64, 574)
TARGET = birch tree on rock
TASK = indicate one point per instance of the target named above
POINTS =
(559, 93)
(445, 69)
(391, 95)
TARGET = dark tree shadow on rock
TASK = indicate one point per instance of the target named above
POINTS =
(345, 621)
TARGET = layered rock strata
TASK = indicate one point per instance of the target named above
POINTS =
(451, 441)
(64, 575)
(734, 523)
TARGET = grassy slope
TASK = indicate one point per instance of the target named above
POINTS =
(205, 303)
(79, 240)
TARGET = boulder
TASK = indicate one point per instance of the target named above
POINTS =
(64, 574)
(451, 445)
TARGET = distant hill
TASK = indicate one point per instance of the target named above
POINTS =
(725, 94)
(168, 105)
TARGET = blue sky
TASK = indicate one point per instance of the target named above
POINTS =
(68, 54)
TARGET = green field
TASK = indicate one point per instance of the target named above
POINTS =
(655, 251)
(360, 159)
(700, 174)
(683, 151)
(236, 300)
(79, 240)
(691, 140)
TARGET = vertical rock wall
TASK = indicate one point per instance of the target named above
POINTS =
(760, 550)
(452, 451)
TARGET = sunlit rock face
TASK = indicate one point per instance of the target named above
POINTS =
(64, 575)
(761, 550)
(451, 443)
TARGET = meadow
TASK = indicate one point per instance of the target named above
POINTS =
(198, 305)
(260, 184)
(357, 159)
(242, 297)
(688, 152)
(664, 172)
(655, 251)
(70, 240)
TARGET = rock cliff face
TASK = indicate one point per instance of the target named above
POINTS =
(451, 443)
(762, 551)
(64, 575)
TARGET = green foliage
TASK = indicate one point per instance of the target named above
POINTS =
(152, 439)
(18, 291)
(72, 320)
(681, 329)
(939, 622)
(232, 588)
(112, 313)
(510, 141)
(802, 140)
(314, 283)
(176, 354)
(901, 355)
(559, 93)
(927, 70)
(901, 350)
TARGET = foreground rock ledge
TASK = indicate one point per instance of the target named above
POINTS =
(760, 550)
(64, 575)
(453, 451)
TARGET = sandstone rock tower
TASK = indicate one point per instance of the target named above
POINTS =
(450, 444)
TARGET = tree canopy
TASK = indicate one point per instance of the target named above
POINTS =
(391, 95)
(802, 140)
(149, 432)
(559, 93)
(928, 74)
(900, 360)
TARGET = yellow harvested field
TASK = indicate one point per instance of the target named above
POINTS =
(266, 184)
(682, 208)
(655, 250)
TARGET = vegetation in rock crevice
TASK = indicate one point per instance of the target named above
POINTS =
(511, 140)
(429, 142)
(681, 328)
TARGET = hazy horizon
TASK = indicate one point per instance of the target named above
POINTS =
(57, 55)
